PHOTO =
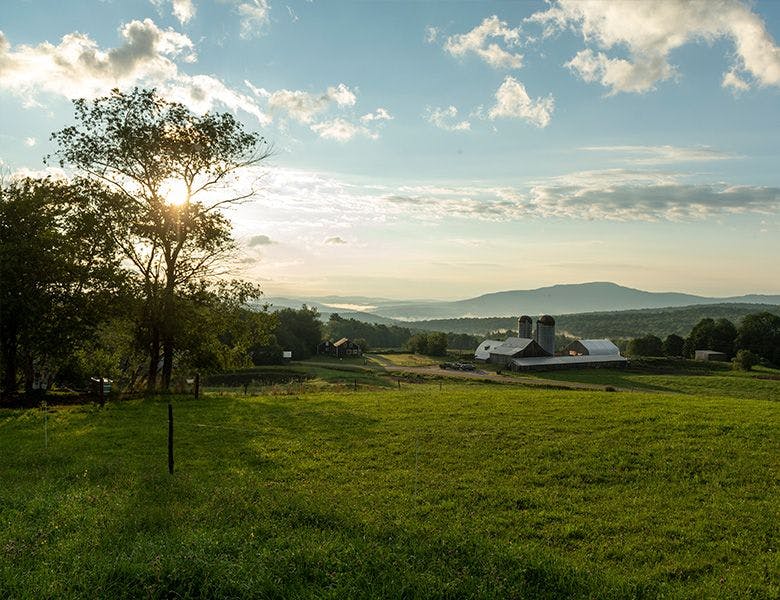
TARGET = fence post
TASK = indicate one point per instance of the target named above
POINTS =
(399, 384)
(170, 438)
(197, 385)
(102, 393)
(356, 385)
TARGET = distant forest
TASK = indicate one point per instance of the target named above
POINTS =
(620, 324)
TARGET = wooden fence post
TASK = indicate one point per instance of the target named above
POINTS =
(197, 385)
(102, 393)
(170, 438)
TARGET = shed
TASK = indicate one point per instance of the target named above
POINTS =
(602, 347)
(710, 355)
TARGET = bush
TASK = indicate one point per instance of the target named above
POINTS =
(745, 360)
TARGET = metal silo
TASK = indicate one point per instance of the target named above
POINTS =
(525, 327)
(545, 333)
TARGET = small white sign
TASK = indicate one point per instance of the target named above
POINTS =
(286, 353)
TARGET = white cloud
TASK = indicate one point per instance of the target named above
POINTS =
(380, 114)
(431, 34)
(335, 240)
(30, 141)
(254, 17)
(259, 240)
(658, 155)
(290, 200)
(650, 31)
(78, 68)
(732, 80)
(479, 41)
(342, 95)
(619, 74)
(183, 10)
(304, 106)
(446, 118)
(341, 130)
(513, 102)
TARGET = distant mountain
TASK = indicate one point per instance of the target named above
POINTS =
(326, 309)
(556, 300)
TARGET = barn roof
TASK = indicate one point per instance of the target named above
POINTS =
(560, 361)
(341, 342)
(511, 346)
(483, 350)
(602, 347)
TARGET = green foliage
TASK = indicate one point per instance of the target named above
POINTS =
(709, 334)
(58, 273)
(399, 493)
(610, 324)
(745, 360)
(673, 345)
(145, 149)
(760, 333)
(299, 331)
(375, 335)
(388, 336)
(432, 344)
(648, 345)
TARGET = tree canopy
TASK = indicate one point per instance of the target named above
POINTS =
(170, 171)
(58, 272)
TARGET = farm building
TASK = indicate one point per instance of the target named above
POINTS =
(525, 353)
(592, 348)
(515, 347)
(483, 350)
(340, 349)
(710, 355)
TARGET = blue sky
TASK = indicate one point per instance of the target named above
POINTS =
(447, 149)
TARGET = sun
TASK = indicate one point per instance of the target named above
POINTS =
(174, 192)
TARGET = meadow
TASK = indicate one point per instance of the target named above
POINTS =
(483, 491)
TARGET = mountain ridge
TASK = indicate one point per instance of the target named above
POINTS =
(571, 298)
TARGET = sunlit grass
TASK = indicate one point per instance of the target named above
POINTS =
(468, 491)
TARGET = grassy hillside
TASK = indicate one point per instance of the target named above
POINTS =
(472, 491)
(618, 324)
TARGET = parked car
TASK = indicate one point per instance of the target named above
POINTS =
(466, 367)
(447, 365)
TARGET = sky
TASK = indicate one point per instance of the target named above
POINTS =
(448, 149)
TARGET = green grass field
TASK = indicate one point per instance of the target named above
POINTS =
(761, 384)
(476, 490)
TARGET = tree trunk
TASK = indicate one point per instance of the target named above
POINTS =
(167, 366)
(29, 373)
(154, 359)
(168, 329)
(9, 349)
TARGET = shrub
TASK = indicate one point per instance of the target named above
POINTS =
(745, 360)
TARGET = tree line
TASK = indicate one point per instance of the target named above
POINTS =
(757, 337)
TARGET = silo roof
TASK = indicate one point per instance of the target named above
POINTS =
(546, 320)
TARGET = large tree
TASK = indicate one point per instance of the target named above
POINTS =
(58, 272)
(760, 333)
(174, 171)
